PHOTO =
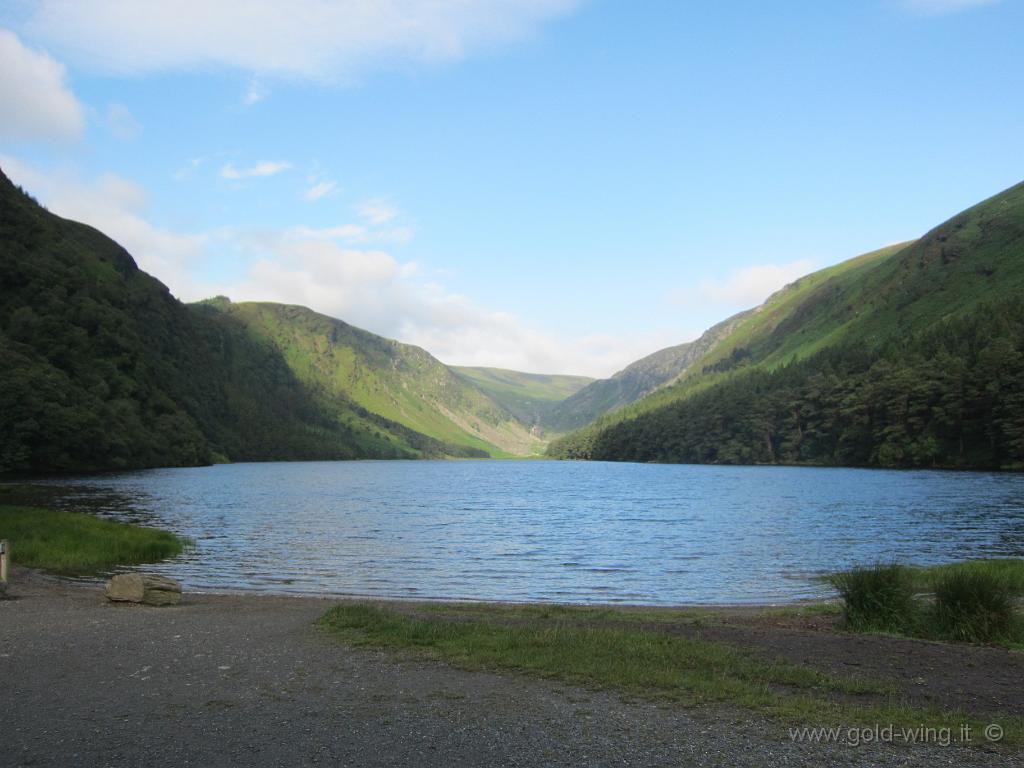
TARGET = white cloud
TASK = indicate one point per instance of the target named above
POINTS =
(36, 100)
(355, 233)
(117, 207)
(377, 211)
(306, 38)
(264, 168)
(329, 270)
(121, 122)
(749, 286)
(319, 190)
(942, 7)
(371, 289)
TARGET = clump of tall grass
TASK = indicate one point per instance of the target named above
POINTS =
(877, 598)
(974, 601)
(75, 543)
(973, 605)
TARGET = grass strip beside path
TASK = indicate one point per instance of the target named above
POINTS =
(639, 662)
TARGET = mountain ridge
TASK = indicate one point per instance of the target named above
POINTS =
(102, 368)
(401, 382)
(635, 381)
(860, 337)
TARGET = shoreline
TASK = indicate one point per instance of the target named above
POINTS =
(98, 581)
(253, 679)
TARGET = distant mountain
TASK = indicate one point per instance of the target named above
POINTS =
(634, 381)
(338, 362)
(908, 356)
(530, 397)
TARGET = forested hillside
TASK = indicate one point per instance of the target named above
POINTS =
(905, 357)
(101, 368)
(634, 381)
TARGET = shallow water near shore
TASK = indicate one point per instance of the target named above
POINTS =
(574, 532)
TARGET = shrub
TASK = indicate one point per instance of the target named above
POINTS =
(973, 606)
(877, 598)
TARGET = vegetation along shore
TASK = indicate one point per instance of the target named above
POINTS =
(848, 664)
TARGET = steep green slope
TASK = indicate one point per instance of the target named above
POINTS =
(634, 381)
(101, 368)
(731, 349)
(905, 357)
(400, 382)
(530, 397)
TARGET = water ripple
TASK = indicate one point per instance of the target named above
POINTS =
(553, 531)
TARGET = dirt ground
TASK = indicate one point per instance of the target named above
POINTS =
(248, 680)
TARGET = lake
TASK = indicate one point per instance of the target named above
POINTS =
(576, 532)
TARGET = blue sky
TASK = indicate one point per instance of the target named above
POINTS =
(547, 185)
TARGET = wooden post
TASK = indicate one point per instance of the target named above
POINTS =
(3, 564)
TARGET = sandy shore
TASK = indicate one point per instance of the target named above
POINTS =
(248, 681)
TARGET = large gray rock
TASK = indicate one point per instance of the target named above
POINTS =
(147, 588)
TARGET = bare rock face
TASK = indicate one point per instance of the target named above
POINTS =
(146, 588)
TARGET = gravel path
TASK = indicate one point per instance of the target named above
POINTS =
(247, 681)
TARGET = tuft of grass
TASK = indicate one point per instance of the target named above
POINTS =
(878, 598)
(974, 600)
(80, 544)
(975, 606)
(643, 662)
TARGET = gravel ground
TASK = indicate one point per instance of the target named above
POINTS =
(248, 681)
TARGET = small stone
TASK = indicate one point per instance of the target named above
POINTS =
(146, 588)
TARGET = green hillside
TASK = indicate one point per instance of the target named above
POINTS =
(634, 381)
(101, 368)
(530, 397)
(908, 356)
(339, 362)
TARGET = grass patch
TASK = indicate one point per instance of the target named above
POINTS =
(76, 543)
(975, 606)
(878, 598)
(644, 662)
(1008, 570)
(973, 601)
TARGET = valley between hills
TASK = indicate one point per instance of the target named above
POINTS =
(908, 356)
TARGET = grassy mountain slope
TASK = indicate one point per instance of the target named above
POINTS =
(841, 366)
(402, 383)
(762, 336)
(634, 381)
(732, 348)
(101, 368)
(530, 397)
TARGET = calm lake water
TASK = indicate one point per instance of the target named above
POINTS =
(558, 531)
